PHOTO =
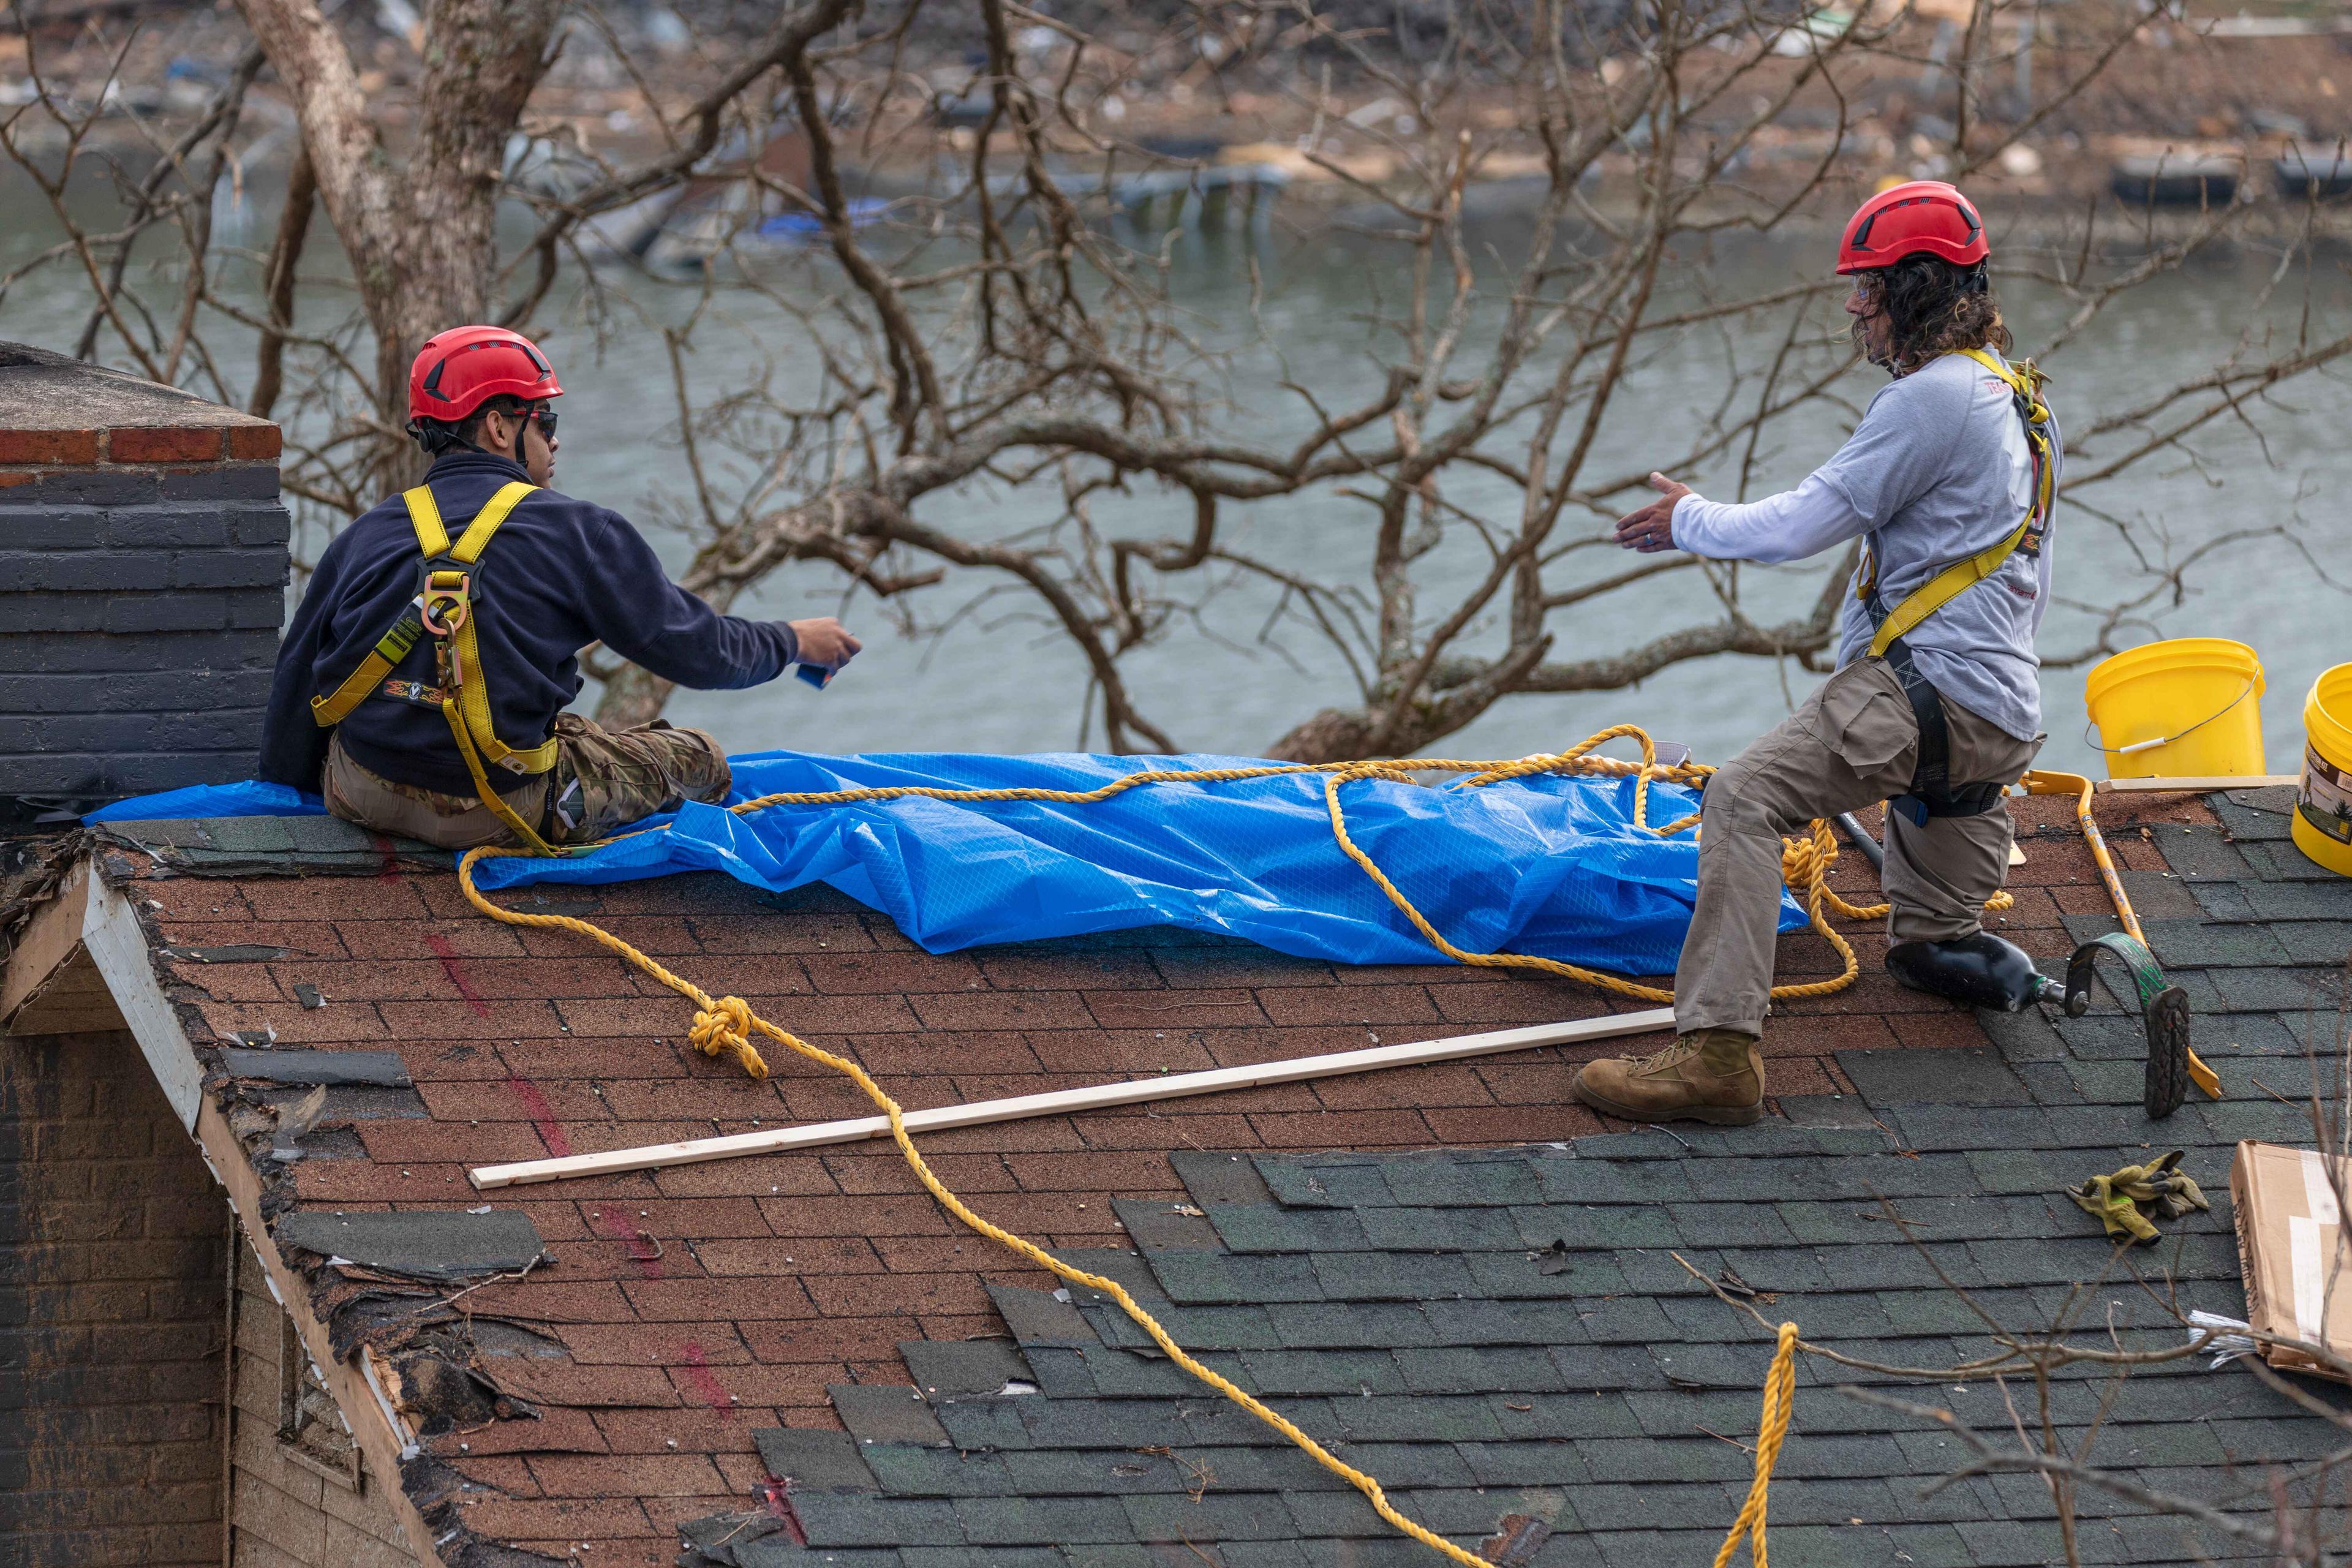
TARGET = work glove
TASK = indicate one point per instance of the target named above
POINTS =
(2116, 1199)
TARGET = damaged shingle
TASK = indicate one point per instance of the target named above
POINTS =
(431, 1245)
(383, 1068)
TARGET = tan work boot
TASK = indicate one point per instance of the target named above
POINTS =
(1707, 1075)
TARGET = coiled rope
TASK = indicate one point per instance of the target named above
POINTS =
(724, 1025)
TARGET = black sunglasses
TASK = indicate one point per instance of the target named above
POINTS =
(546, 418)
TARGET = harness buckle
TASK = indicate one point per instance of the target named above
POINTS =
(444, 608)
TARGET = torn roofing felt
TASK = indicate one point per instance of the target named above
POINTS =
(420, 1246)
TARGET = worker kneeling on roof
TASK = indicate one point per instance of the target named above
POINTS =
(420, 685)
(1936, 705)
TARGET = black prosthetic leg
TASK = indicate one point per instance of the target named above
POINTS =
(1984, 971)
(1979, 971)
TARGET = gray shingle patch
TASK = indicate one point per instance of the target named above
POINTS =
(1323, 1182)
(2199, 854)
(1158, 1224)
(2226, 902)
(2329, 900)
(1196, 1328)
(962, 1366)
(1388, 1276)
(1965, 1076)
(1440, 1229)
(851, 1519)
(1213, 1178)
(885, 1413)
(814, 1459)
(2198, 943)
(2256, 813)
(1215, 1278)
(1606, 1181)
(383, 1068)
(2282, 862)
(911, 1470)
(979, 1421)
(1472, 1181)
(420, 1245)
(2316, 941)
(1590, 1226)
(1355, 1325)
(1272, 1228)
(1037, 1317)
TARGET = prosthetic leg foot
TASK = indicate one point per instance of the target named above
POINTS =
(1979, 971)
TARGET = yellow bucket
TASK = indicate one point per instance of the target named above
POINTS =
(2323, 806)
(2186, 708)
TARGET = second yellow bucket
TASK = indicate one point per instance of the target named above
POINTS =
(2322, 807)
(2190, 708)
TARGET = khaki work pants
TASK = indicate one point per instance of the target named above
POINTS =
(1853, 742)
(602, 780)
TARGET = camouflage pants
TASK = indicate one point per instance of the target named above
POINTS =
(602, 780)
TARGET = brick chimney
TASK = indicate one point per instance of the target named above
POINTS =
(142, 581)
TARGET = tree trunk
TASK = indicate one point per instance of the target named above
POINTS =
(422, 239)
(633, 697)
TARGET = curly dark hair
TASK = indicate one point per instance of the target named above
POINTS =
(1934, 307)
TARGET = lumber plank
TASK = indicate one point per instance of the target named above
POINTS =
(1134, 1091)
(2200, 785)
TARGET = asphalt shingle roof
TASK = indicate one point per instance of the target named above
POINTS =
(799, 1359)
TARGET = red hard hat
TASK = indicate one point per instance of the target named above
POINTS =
(1923, 216)
(460, 370)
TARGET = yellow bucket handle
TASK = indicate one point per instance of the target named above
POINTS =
(2252, 681)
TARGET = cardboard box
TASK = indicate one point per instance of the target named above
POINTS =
(2293, 1252)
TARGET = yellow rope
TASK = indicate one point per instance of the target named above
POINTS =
(725, 1024)
(1780, 1401)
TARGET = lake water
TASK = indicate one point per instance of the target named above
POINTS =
(997, 680)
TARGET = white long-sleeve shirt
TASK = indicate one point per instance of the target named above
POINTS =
(1938, 469)
(1789, 526)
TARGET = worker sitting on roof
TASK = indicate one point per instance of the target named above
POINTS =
(420, 685)
(1936, 705)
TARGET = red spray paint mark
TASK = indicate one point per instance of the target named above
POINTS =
(455, 971)
(778, 1496)
(697, 1375)
(542, 1115)
(390, 870)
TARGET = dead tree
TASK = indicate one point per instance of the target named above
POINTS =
(998, 324)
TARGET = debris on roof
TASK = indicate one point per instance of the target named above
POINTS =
(382, 1068)
(426, 1245)
(783, 1359)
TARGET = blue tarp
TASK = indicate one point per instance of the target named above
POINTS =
(1548, 865)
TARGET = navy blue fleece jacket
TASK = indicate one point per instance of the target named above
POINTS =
(558, 575)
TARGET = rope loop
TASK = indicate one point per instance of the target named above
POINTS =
(725, 1025)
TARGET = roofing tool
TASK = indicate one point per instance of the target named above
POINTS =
(1985, 971)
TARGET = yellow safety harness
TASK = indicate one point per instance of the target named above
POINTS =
(2025, 384)
(443, 608)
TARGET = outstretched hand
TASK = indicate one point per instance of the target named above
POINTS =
(1652, 529)
(823, 642)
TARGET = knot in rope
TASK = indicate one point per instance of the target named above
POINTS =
(1805, 862)
(726, 1025)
